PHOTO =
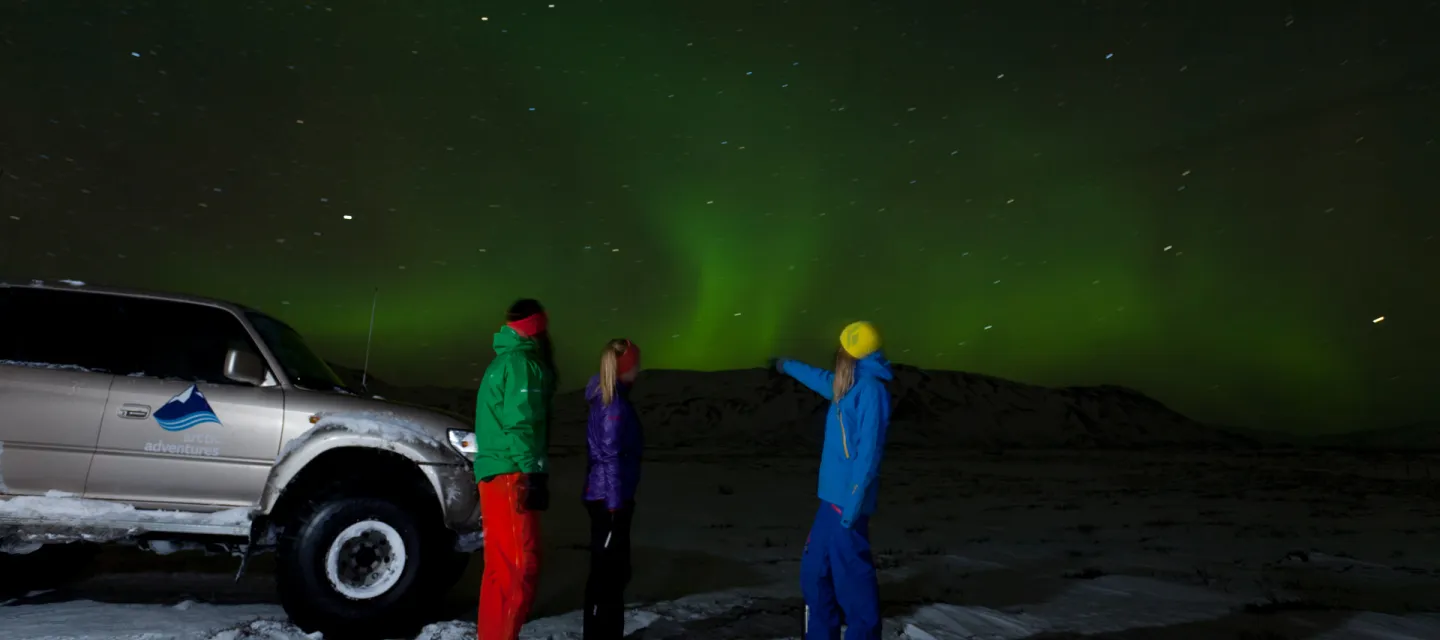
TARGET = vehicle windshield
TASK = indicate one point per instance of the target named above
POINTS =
(301, 365)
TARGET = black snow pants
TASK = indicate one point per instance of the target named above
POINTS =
(609, 571)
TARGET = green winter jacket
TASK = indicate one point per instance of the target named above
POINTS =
(512, 409)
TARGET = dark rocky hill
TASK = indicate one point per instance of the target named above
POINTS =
(755, 408)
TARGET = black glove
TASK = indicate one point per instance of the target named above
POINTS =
(537, 491)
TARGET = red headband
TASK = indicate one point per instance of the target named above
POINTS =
(531, 325)
(628, 360)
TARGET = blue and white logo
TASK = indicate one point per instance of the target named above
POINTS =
(185, 410)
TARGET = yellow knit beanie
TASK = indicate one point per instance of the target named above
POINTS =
(860, 339)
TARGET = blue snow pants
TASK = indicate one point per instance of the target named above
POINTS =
(837, 576)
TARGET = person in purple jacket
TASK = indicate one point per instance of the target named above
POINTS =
(614, 443)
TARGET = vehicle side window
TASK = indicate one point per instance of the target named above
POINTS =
(44, 327)
(184, 341)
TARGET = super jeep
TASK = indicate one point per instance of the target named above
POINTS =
(162, 420)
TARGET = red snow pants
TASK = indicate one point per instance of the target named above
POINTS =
(512, 558)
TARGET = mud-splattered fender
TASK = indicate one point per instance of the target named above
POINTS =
(461, 499)
(448, 473)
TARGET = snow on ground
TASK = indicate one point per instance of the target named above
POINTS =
(1024, 545)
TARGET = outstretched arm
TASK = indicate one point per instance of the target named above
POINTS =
(872, 405)
(819, 380)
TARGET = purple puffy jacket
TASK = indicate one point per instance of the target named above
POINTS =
(614, 443)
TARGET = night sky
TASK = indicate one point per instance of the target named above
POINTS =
(1209, 201)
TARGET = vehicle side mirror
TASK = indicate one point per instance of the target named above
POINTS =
(246, 367)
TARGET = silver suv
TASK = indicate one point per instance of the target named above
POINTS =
(164, 420)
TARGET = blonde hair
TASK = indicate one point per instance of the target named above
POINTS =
(844, 374)
(610, 367)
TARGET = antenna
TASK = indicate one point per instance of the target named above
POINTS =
(365, 370)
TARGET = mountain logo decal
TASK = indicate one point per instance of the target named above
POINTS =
(185, 410)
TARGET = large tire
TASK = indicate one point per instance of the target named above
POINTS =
(351, 567)
(446, 568)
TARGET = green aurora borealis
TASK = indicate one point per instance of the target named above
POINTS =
(1214, 215)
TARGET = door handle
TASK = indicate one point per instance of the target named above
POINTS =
(134, 411)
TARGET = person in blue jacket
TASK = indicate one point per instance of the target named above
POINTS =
(837, 571)
(614, 444)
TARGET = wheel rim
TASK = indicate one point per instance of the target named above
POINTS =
(365, 560)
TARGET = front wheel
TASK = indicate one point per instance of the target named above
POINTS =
(351, 567)
(446, 569)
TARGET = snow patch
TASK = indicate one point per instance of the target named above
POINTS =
(236, 517)
(45, 365)
(470, 541)
(1369, 625)
(1115, 603)
(451, 630)
(163, 548)
(951, 622)
(1109, 604)
(73, 283)
(59, 505)
(385, 425)
(87, 620)
(266, 630)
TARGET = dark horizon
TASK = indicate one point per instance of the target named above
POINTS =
(571, 385)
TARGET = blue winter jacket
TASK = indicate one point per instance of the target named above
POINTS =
(854, 433)
(615, 443)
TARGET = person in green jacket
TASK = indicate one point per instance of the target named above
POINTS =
(512, 414)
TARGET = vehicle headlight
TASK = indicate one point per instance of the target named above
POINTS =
(464, 442)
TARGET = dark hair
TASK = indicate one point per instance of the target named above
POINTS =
(524, 308)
